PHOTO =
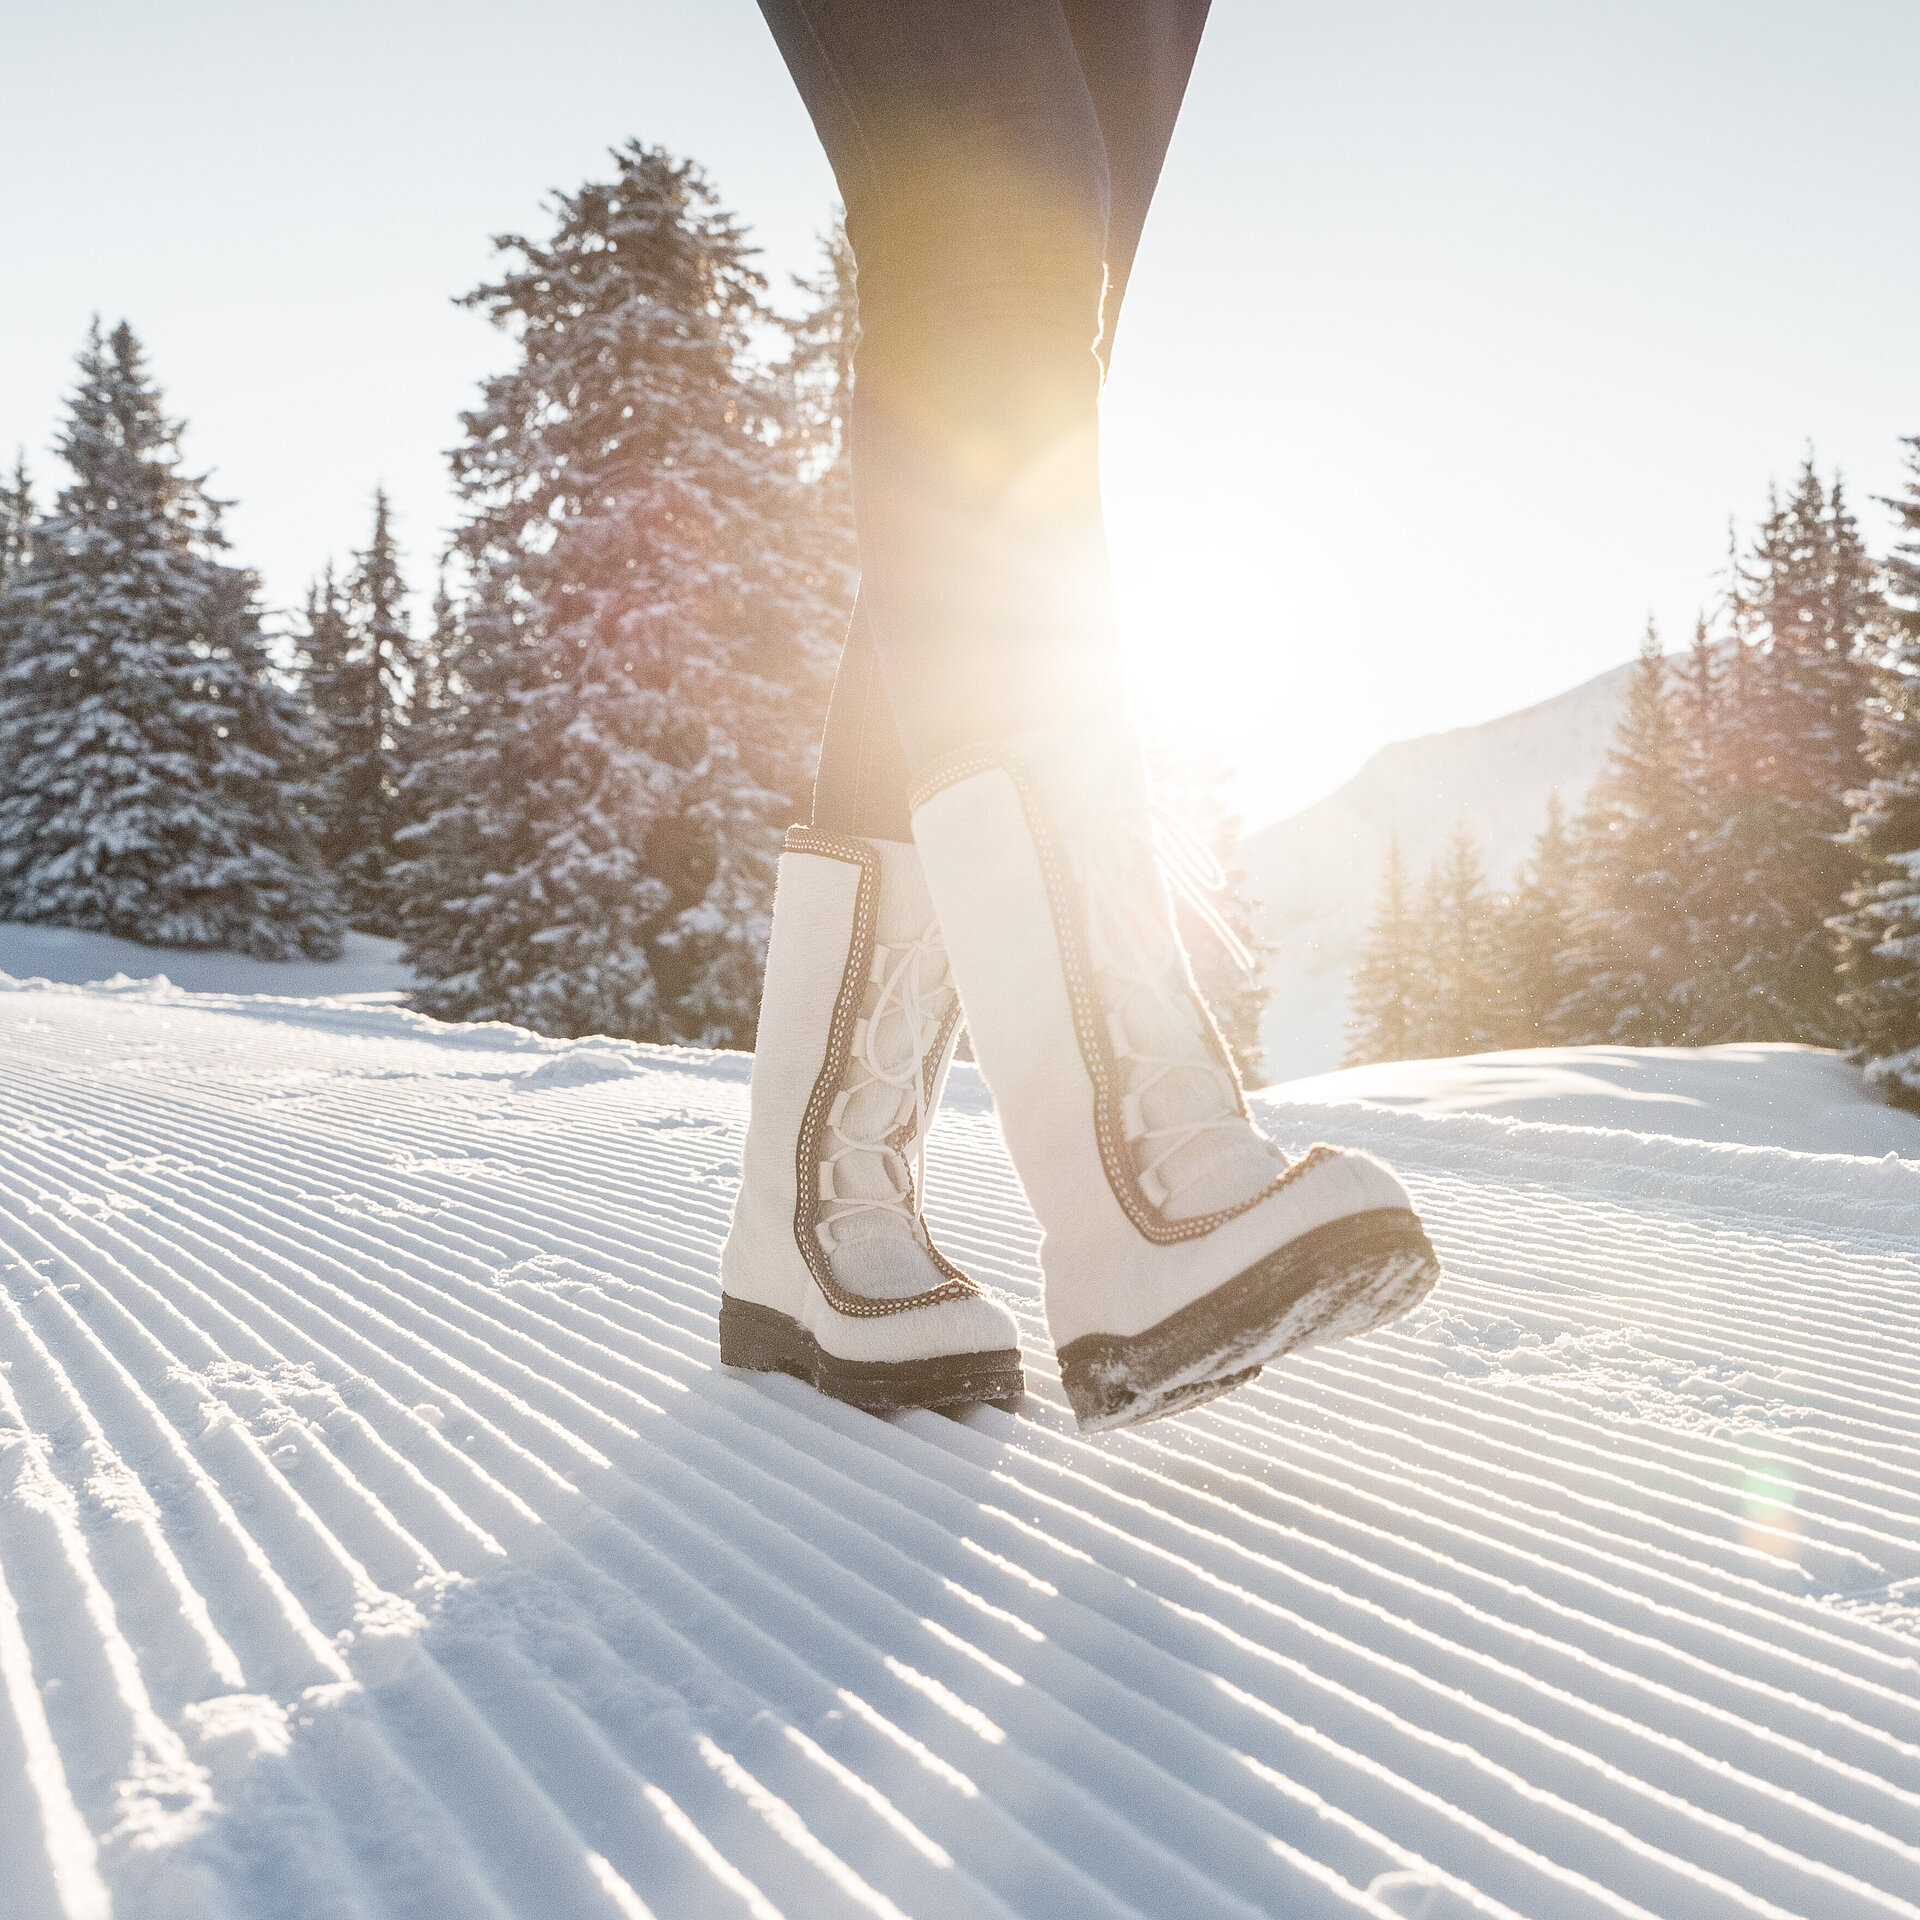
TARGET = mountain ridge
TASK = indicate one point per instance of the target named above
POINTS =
(1315, 873)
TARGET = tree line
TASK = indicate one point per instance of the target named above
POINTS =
(1747, 865)
(565, 792)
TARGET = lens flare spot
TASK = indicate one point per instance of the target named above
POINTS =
(1769, 1499)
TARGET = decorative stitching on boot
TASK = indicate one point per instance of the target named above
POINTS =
(806, 1160)
(1096, 1049)
(949, 771)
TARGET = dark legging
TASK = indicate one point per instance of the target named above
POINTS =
(997, 159)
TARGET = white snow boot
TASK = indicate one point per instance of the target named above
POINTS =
(1181, 1250)
(828, 1272)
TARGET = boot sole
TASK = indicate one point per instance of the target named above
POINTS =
(762, 1340)
(1344, 1278)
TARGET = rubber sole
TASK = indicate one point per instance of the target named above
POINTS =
(763, 1340)
(1340, 1279)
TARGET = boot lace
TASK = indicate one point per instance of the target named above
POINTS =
(1177, 1090)
(887, 1056)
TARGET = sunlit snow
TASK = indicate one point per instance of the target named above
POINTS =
(1807, 1099)
(380, 1537)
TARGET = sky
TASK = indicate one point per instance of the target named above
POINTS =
(1459, 330)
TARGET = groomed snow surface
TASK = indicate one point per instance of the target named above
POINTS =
(1802, 1098)
(380, 1536)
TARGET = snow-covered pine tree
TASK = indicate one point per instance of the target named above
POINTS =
(1385, 1006)
(431, 709)
(151, 766)
(1630, 956)
(16, 518)
(1427, 1031)
(458, 844)
(361, 666)
(325, 642)
(1464, 985)
(1698, 695)
(323, 648)
(1534, 932)
(424, 718)
(1774, 868)
(816, 386)
(1880, 931)
(818, 372)
(1714, 698)
(433, 666)
(646, 657)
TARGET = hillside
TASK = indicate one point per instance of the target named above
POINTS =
(379, 1537)
(1766, 1094)
(1316, 872)
(368, 965)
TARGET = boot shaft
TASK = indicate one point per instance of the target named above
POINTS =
(1025, 843)
(814, 1170)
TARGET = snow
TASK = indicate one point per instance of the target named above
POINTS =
(368, 966)
(1805, 1099)
(380, 1537)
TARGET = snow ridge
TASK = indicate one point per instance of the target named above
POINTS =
(379, 1536)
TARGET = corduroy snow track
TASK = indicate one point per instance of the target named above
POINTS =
(381, 1537)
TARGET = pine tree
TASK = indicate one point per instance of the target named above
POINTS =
(433, 705)
(323, 645)
(1385, 1004)
(16, 523)
(433, 666)
(1536, 929)
(151, 766)
(1879, 933)
(1774, 868)
(817, 387)
(1813, 593)
(1464, 993)
(1630, 955)
(16, 519)
(361, 670)
(646, 654)
(818, 373)
(1715, 698)
(1429, 1031)
(1699, 695)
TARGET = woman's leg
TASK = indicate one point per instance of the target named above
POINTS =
(1180, 1249)
(971, 161)
(1135, 57)
(862, 783)
(979, 309)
